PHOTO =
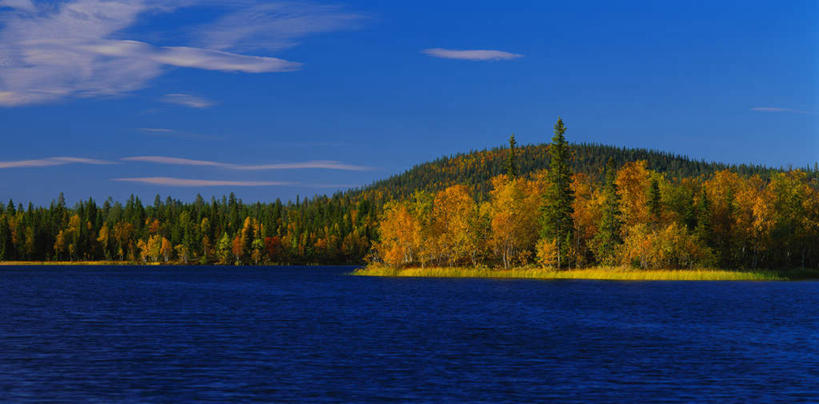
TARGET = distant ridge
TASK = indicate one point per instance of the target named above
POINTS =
(475, 168)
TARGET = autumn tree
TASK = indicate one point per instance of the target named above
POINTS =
(633, 183)
(400, 241)
(513, 210)
(453, 226)
(223, 250)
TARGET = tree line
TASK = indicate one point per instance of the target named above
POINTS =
(556, 204)
(629, 215)
(321, 230)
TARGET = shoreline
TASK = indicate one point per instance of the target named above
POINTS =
(596, 273)
(153, 264)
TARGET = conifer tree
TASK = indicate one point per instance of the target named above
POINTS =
(556, 212)
(703, 229)
(655, 207)
(608, 236)
(511, 165)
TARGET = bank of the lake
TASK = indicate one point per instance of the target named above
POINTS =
(73, 263)
(598, 273)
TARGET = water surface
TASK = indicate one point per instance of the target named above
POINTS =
(294, 334)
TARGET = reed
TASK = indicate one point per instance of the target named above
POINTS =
(602, 273)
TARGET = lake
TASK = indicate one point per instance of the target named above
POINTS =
(183, 334)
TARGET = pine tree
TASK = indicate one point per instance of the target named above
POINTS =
(608, 236)
(655, 207)
(703, 229)
(6, 246)
(556, 213)
(511, 165)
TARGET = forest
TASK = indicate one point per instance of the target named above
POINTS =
(551, 204)
(630, 216)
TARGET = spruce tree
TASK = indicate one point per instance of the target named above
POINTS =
(608, 236)
(655, 207)
(6, 246)
(703, 229)
(556, 212)
(511, 167)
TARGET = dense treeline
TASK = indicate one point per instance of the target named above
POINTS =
(341, 229)
(320, 230)
(631, 215)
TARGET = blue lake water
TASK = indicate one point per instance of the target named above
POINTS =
(293, 334)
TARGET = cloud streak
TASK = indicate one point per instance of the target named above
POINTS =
(474, 55)
(165, 132)
(187, 100)
(313, 164)
(75, 48)
(185, 182)
(777, 109)
(51, 161)
(274, 26)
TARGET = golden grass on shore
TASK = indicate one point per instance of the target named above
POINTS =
(601, 273)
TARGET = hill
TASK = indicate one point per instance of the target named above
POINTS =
(477, 167)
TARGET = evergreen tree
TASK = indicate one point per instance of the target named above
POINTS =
(703, 229)
(557, 224)
(6, 246)
(608, 236)
(655, 207)
(511, 165)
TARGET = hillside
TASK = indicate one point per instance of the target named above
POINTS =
(477, 167)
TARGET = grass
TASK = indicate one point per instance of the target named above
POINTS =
(602, 273)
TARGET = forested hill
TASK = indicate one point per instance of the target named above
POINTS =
(337, 229)
(477, 167)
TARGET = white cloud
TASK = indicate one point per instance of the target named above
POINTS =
(165, 132)
(477, 54)
(157, 130)
(313, 164)
(184, 182)
(272, 26)
(777, 109)
(74, 48)
(187, 100)
(51, 161)
(24, 5)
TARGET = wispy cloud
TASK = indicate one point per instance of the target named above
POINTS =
(273, 26)
(165, 132)
(185, 182)
(74, 48)
(187, 100)
(313, 164)
(51, 161)
(777, 109)
(476, 54)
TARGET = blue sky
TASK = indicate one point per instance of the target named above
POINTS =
(277, 99)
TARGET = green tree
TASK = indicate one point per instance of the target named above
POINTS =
(703, 229)
(556, 213)
(6, 244)
(655, 207)
(608, 237)
(511, 165)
